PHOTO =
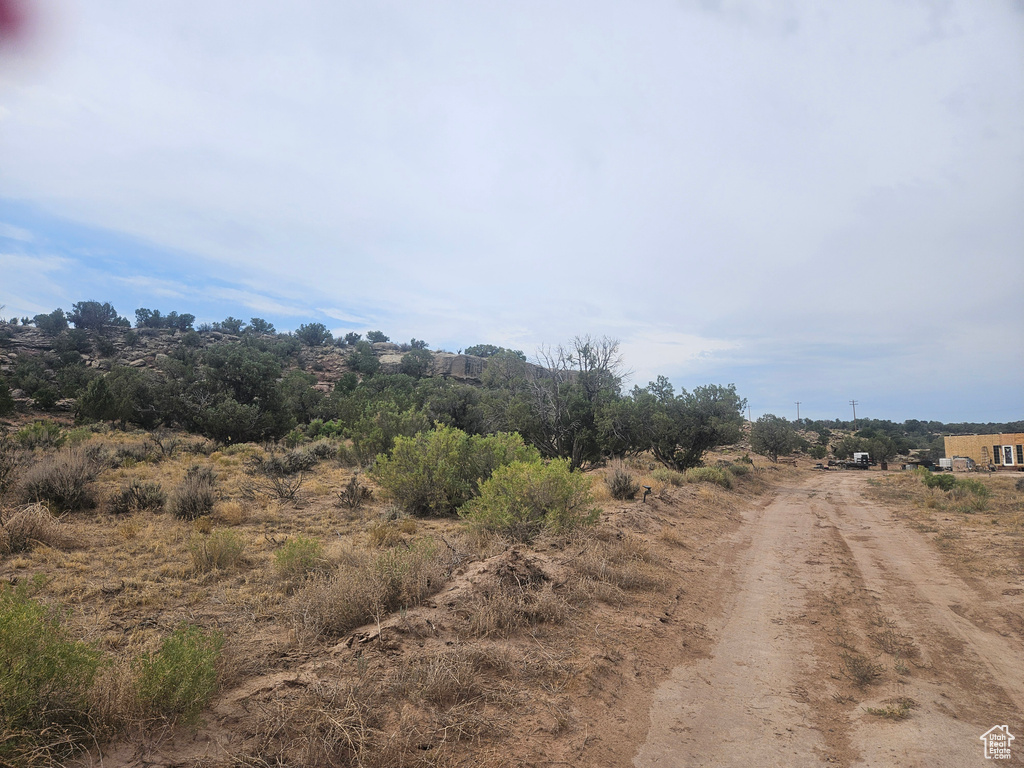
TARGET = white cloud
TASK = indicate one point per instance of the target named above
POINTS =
(729, 171)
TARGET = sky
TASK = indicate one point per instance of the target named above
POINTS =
(816, 202)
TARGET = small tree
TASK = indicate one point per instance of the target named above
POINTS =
(353, 338)
(230, 325)
(93, 316)
(375, 336)
(772, 435)
(51, 324)
(363, 359)
(418, 343)
(416, 363)
(314, 334)
(260, 327)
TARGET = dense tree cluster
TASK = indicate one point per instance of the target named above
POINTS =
(252, 384)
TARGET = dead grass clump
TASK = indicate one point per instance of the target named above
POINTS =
(11, 461)
(22, 529)
(64, 481)
(385, 533)
(622, 561)
(514, 594)
(220, 550)
(325, 725)
(622, 484)
(138, 496)
(231, 512)
(365, 587)
(196, 495)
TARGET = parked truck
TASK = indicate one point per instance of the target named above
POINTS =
(860, 460)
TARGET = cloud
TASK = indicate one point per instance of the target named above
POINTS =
(700, 180)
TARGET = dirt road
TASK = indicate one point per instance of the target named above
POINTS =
(835, 608)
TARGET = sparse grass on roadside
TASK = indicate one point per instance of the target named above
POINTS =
(897, 708)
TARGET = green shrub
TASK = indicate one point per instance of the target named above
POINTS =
(669, 476)
(138, 496)
(299, 557)
(622, 484)
(738, 469)
(522, 499)
(438, 471)
(219, 550)
(45, 678)
(975, 487)
(40, 434)
(179, 679)
(197, 493)
(940, 480)
(714, 475)
(63, 481)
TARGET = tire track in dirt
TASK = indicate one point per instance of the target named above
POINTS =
(822, 569)
(970, 675)
(745, 705)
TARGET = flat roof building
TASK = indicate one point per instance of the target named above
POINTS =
(1003, 451)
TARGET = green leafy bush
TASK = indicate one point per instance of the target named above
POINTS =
(64, 481)
(197, 493)
(438, 471)
(670, 476)
(45, 677)
(522, 499)
(300, 557)
(714, 475)
(940, 480)
(179, 679)
(40, 434)
(739, 469)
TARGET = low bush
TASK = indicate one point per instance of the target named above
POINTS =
(178, 680)
(196, 495)
(739, 470)
(365, 587)
(940, 480)
(45, 677)
(714, 475)
(219, 550)
(522, 499)
(64, 481)
(668, 476)
(40, 434)
(22, 528)
(1019, 485)
(622, 484)
(11, 461)
(138, 496)
(299, 558)
(438, 471)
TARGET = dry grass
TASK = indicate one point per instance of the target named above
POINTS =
(405, 698)
(28, 526)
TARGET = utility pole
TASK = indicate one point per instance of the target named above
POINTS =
(749, 417)
(854, 404)
(798, 410)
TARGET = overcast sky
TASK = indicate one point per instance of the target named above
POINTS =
(815, 201)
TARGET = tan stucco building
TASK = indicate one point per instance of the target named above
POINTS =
(1005, 451)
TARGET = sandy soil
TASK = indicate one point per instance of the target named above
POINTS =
(832, 606)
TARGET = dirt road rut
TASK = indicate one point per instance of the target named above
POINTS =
(844, 640)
